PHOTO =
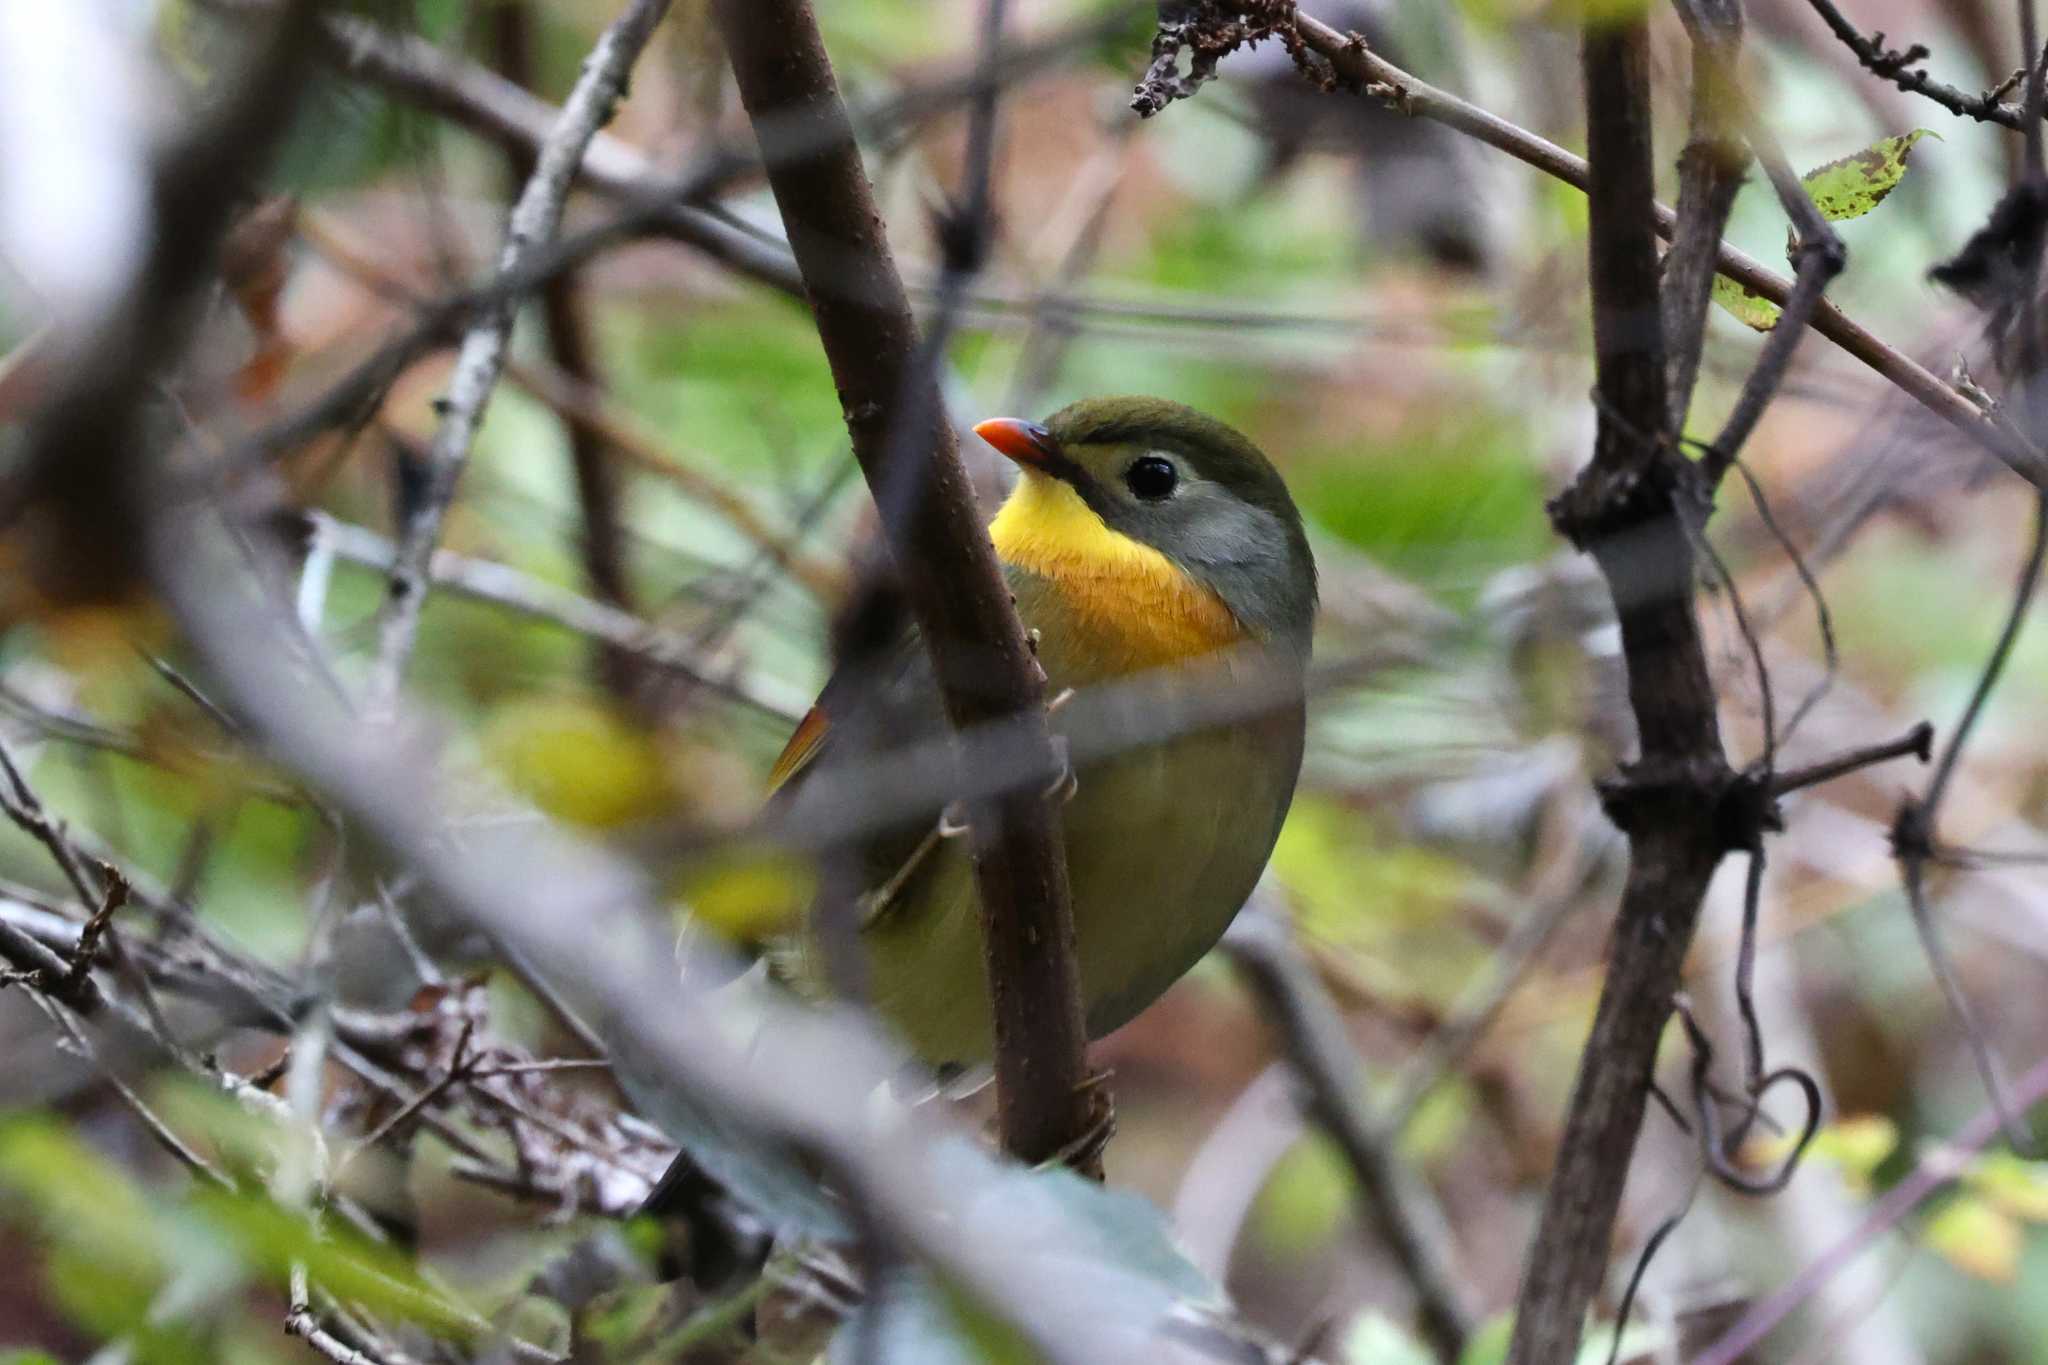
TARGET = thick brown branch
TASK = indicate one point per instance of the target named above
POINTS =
(1629, 508)
(977, 645)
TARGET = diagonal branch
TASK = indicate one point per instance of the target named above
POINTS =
(96, 419)
(1359, 66)
(1935, 1172)
(1394, 1203)
(621, 631)
(983, 662)
(535, 219)
(1902, 68)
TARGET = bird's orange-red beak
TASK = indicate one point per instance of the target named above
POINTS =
(1028, 443)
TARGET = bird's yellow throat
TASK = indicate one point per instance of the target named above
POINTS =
(1131, 607)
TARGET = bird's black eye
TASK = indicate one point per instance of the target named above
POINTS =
(1151, 477)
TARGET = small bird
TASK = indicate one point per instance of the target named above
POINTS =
(1142, 538)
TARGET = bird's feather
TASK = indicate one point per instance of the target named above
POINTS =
(804, 743)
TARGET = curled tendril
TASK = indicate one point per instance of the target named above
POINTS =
(1830, 653)
(1714, 1147)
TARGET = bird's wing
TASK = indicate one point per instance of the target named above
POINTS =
(880, 702)
(882, 699)
(804, 743)
(884, 695)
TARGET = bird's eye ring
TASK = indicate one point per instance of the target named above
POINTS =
(1151, 478)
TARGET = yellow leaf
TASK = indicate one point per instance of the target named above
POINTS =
(748, 895)
(1976, 1238)
(2017, 1186)
(1750, 308)
(579, 761)
(1856, 1146)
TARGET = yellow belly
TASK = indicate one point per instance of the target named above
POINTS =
(1163, 843)
(1163, 846)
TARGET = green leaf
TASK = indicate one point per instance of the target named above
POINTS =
(1855, 184)
(1977, 1237)
(271, 1240)
(1304, 1201)
(2017, 1186)
(1489, 1344)
(1376, 1339)
(614, 1321)
(1104, 1254)
(1847, 187)
(918, 1320)
(99, 1223)
(1750, 308)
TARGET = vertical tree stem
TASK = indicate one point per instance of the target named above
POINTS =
(978, 649)
(1628, 508)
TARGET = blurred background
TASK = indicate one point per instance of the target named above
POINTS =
(1396, 315)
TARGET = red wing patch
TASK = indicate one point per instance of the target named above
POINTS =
(803, 746)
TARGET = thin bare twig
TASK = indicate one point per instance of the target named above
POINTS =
(635, 444)
(1556, 894)
(504, 586)
(1394, 1202)
(1917, 742)
(1901, 68)
(2030, 52)
(603, 543)
(1818, 256)
(1831, 658)
(1053, 313)
(1994, 667)
(581, 406)
(20, 804)
(1990, 1070)
(533, 224)
(302, 1322)
(161, 1132)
